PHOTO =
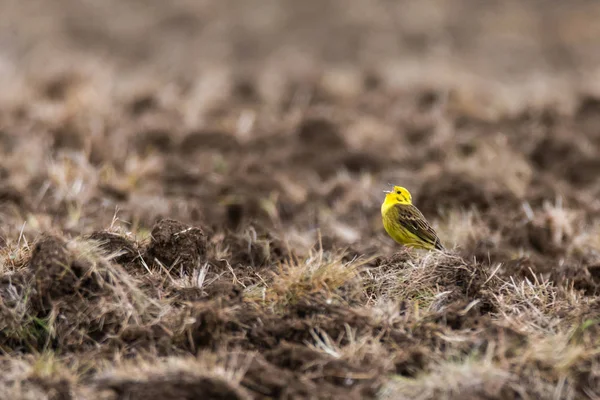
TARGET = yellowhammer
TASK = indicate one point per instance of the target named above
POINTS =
(405, 223)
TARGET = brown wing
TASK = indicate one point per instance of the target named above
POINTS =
(413, 220)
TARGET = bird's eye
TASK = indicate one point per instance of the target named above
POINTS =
(398, 192)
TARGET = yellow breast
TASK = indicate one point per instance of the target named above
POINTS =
(391, 225)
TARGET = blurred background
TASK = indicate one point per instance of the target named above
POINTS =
(534, 46)
(294, 113)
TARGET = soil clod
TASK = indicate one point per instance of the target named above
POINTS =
(177, 246)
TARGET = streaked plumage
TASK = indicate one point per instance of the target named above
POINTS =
(405, 223)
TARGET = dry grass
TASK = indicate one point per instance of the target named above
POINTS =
(452, 380)
(320, 273)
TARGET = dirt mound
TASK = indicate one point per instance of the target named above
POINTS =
(583, 278)
(69, 137)
(177, 246)
(567, 158)
(453, 191)
(155, 140)
(121, 249)
(171, 379)
(11, 195)
(208, 141)
(316, 135)
(321, 134)
(56, 272)
(268, 381)
(77, 282)
(179, 388)
(252, 248)
(588, 116)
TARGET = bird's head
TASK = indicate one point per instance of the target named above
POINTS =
(398, 195)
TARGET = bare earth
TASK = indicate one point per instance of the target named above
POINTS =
(190, 191)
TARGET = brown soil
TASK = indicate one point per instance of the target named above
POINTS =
(190, 191)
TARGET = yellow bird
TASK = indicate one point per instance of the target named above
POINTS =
(405, 223)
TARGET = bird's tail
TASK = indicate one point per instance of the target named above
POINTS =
(439, 245)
